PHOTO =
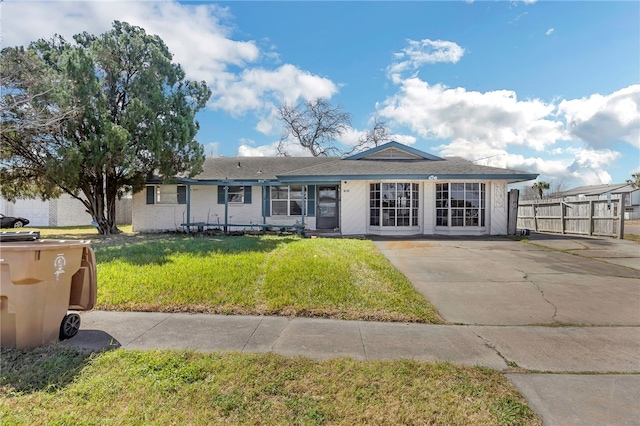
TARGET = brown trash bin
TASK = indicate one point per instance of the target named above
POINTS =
(40, 280)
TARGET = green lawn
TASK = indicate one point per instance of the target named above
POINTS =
(62, 385)
(263, 275)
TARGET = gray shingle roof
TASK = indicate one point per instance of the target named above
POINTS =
(255, 168)
(448, 166)
(614, 188)
(290, 169)
(363, 166)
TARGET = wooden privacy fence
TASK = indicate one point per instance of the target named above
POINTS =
(593, 215)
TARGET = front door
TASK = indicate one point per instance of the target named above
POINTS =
(327, 214)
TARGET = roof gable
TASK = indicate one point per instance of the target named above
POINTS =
(393, 151)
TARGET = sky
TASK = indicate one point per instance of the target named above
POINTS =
(544, 87)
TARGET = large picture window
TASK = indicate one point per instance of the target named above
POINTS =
(393, 204)
(287, 200)
(460, 204)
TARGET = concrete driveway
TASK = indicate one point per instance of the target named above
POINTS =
(553, 279)
(496, 284)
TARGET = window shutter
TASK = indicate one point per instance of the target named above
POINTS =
(220, 194)
(151, 194)
(311, 200)
(247, 194)
(266, 204)
(182, 194)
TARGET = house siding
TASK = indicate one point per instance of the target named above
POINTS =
(354, 210)
(499, 208)
(428, 206)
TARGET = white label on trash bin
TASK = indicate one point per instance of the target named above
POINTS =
(59, 264)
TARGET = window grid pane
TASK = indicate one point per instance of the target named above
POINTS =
(287, 201)
(393, 204)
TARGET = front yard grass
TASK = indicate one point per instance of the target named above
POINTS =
(261, 275)
(63, 385)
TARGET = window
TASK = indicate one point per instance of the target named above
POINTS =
(167, 194)
(235, 194)
(460, 204)
(393, 204)
(287, 200)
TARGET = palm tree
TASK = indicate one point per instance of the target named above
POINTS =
(540, 187)
(635, 181)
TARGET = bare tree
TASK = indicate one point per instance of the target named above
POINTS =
(315, 125)
(372, 138)
(557, 187)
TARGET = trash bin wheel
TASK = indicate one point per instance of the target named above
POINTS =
(70, 326)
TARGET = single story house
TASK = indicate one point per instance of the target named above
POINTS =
(631, 196)
(391, 189)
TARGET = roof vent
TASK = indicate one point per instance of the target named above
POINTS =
(239, 164)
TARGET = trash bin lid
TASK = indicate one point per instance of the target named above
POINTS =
(16, 236)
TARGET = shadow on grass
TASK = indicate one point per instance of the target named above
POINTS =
(48, 368)
(157, 249)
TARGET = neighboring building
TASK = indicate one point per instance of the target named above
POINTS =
(392, 189)
(62, 211)
(631, 196)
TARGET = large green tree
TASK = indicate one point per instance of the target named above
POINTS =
(95, 117)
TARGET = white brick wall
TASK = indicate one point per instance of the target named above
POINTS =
(204, 208)
(71, 212)
(353, 210)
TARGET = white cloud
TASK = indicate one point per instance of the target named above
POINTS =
(583, 166)
(199, 36)
(497, 117)
(549, 31)
(271, 150)
(261, 89)
(425, 51)
(600, 120)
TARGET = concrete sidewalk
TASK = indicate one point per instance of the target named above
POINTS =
(549, 349)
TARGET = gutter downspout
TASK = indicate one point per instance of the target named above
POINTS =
(226, 207)
(188, 208)
(304, 204)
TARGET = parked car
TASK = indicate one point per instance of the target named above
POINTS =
(12, 222)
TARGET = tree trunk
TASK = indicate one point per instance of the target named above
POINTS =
(102, 207)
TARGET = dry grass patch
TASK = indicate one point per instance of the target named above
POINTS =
(167, 387)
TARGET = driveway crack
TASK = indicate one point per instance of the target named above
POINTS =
(490, 345)
(555, 308)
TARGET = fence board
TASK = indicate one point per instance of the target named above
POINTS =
(595, 215)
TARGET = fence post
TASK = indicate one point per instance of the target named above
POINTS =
(562, 217)
(512, 214)
(590, 217)
(535, 219)
(621, 218)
